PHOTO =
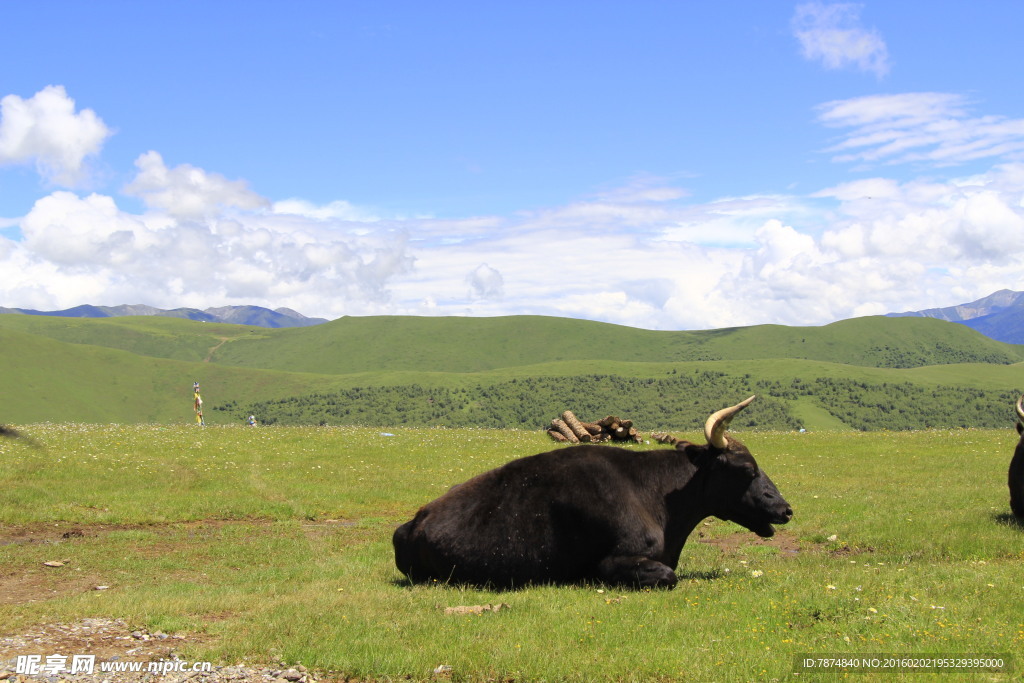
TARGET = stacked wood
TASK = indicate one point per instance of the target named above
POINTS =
(557, 435)
(560, 432)
(663, 437)
(577, 428)
(570, 429)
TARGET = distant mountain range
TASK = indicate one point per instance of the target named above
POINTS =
(999, 316)
(237, 315)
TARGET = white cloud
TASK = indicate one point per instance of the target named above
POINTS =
(732, 221)
(46, 130)
(485, 283)
(895, 251)
(70, 231)
(865, 247)
(338, 209)
(877, 246)
(186, 191)
(87, 250)
(833, 35)
(918, 127)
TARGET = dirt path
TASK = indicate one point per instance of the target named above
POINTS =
(213, 350)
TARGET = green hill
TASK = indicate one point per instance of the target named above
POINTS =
(480, 344)
(158, 337)
(391, 343)
(866, 373)
(53, 381)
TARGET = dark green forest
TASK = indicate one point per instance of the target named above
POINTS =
(678, 401)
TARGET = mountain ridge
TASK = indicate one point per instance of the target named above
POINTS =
(238, 315)
(998, 316)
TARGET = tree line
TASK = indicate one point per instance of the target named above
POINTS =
(678, 401)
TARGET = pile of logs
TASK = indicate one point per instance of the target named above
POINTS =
(569, 429)
(665, 437)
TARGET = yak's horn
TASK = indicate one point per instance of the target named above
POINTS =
(1020, 408)
(714, 428)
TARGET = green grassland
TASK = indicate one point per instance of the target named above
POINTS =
(273, 544)
(520, 371)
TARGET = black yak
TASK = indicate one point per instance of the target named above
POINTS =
(1016, 474)
(589, 513)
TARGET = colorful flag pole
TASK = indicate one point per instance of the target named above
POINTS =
(197, 403)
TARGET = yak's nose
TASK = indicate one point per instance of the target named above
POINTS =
(783, 516)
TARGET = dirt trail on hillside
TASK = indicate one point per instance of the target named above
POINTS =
(213, 350)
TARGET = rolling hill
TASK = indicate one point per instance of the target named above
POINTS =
(460, 345)
(865, 373)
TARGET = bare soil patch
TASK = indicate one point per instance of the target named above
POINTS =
(108, 639)
(58, 532)
(47, 582)
(786, 542)
(43, 584)
(57, 576)
(114, 641)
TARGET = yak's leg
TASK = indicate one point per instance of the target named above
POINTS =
(636, 570)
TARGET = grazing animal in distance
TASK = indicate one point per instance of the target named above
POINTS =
(589, 513)
(1015, 478)
(12, 433)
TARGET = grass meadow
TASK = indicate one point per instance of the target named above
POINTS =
(273, 545)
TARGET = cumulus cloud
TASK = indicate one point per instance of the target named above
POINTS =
(46, 130)
(485, 283)
(866, 247)
(186, 191)
(862, 248)
(67, 230)
(918, 127)
(833, 35)
(901, 249)
(88, 250)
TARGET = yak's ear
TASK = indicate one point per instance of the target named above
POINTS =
(1020, 428)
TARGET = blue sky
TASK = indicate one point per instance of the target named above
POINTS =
(667, 165)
